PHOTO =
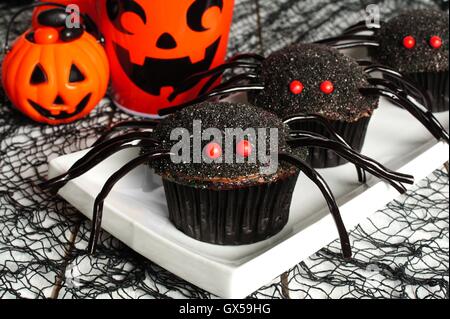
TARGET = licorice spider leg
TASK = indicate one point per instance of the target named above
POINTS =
(391, 73)
(300, 118)
(237, 57)
(347, 37)
(97, 155)
(211, 94)
(190, 81)
(361, 27)
(328, 195)
(356, 44)
(246, 56)
(233, 81)
(424, 116)
(141, 124)
(406, 178)
(110, 183)
(373, 167)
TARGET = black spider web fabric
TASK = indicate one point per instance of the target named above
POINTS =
(400, 252)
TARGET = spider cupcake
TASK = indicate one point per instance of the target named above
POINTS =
(313, 79)
(415, 43)
(232, 194)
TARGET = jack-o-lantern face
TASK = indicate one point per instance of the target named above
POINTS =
(157, 44)
(171, 58)
(59, 109)
(53, 81)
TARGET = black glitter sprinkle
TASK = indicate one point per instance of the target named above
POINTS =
(422, 25)
(312, 64)
(222, 116)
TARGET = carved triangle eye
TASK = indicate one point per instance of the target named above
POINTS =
(76, 75)
(38, 76)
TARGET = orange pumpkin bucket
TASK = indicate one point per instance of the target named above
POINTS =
(154, 45)
(55, 75)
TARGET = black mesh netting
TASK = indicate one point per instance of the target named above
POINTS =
(401, 252)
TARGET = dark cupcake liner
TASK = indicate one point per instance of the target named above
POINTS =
(233, 216)
(354, 133)
(436, 86)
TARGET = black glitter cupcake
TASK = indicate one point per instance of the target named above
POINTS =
(229, 171)
(319, 80)
(227, 203)
(416, 43)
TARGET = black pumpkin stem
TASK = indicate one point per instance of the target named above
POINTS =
(56, 17)
(6, 47)
(71, 34)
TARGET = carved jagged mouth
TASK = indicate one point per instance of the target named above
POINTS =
(155, 74)
(63, 115)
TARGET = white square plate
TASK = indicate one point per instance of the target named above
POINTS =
(136, 211)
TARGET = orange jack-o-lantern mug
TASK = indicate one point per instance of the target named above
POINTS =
(153, 45)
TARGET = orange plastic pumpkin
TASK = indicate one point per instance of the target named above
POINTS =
(54, 81)
(155, 45)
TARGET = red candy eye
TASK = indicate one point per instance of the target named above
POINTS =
(436, 42)
(409, 42)
(213, 150)
(327, 87)
(296, 87)
(244, 148)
